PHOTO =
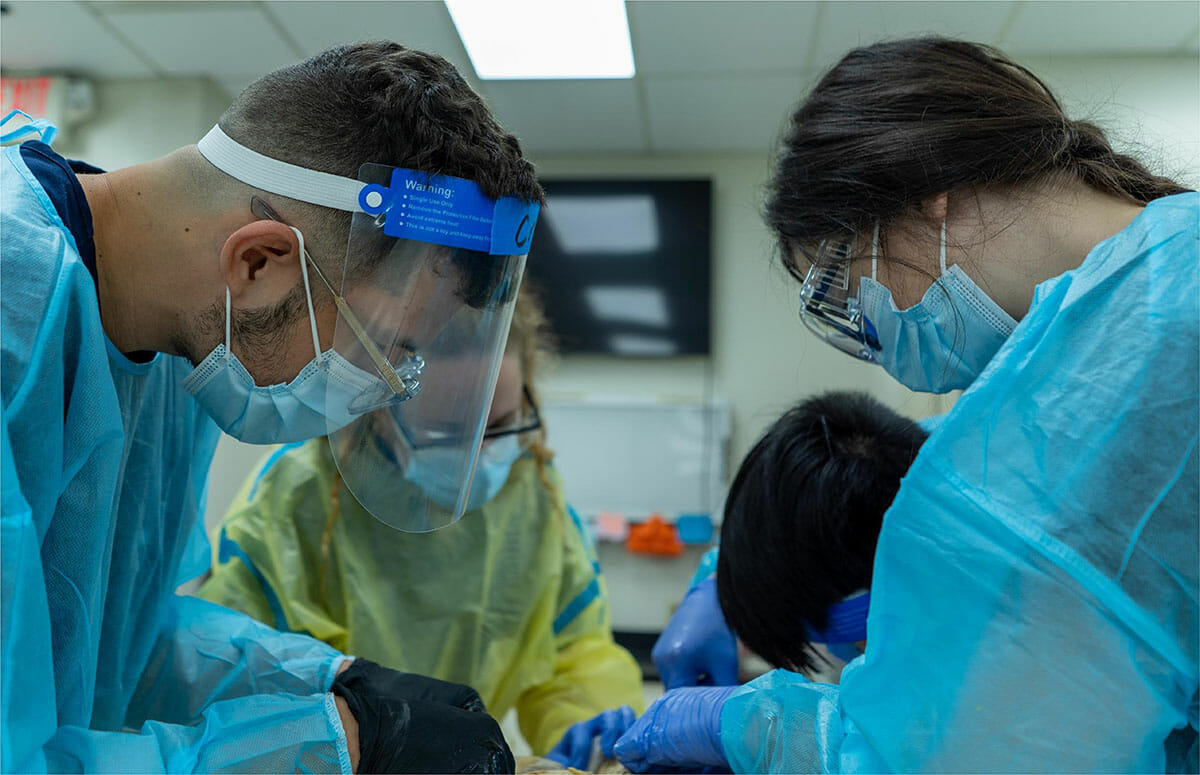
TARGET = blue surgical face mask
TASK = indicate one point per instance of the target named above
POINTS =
(945, 340)
(435, 471)
(327, 394)
(38, 127)
(846, 625)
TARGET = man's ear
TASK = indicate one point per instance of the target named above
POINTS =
(261, 263)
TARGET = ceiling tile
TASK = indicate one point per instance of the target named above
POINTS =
(686, 37)
(564, 116)
(421, 24)
(58, 36)
(1118, 27)
(721, 113)
(220, 39)
(846, 25)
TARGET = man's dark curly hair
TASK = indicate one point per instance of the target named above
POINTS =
(380, 103)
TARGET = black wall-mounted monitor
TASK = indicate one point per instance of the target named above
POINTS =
(625, 266)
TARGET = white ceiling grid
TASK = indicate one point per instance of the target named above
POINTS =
(714, 75)
(68, 37)
(246, 41)
(1065, 28)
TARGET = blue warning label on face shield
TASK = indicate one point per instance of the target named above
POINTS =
(450, 211)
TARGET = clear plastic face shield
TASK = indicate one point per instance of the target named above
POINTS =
(830, 310)
(425, 296)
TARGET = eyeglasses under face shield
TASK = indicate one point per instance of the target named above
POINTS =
(522, 422)
(526, 420)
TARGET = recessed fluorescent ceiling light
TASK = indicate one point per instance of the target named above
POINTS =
(532, 39)
(604, 224)
(644, 346)
(645, 306)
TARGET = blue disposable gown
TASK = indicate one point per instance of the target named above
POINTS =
(1034, 599)
(104, 463)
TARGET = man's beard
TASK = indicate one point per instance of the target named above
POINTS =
(258, 335)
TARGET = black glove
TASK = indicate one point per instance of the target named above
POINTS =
(366, 677)
(396, 735)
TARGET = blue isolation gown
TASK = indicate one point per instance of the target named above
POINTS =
(1034, 599)
(104, 464)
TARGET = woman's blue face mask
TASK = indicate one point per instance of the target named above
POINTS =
(845, 626)
(945, 340)
(432, 471)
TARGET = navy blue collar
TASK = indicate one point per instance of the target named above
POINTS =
(58, 176)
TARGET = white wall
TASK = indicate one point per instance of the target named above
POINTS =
(1149, 106)
(139, 119)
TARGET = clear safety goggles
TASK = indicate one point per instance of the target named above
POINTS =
(425, 296)
(829, 310)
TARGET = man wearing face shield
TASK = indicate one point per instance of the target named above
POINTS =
(287, 278)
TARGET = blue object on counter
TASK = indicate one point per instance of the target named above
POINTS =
(695, 528)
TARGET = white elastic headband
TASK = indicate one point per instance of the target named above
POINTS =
(278, 177)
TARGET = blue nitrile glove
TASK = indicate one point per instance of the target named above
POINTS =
(697, 648)
(575, 748)
(682, 729)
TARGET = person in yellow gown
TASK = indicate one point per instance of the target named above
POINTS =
(508, 600)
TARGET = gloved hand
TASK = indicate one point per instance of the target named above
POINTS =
(697, 648)
(575, 748)
(682, 729)
(366, 677)
(398, 735)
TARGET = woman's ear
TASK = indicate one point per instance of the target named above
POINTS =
(934, 208)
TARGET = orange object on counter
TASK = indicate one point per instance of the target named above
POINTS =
(654, 536)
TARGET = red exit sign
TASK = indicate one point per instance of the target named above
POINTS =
(28, 94)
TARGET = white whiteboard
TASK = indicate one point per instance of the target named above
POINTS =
(639, 457)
